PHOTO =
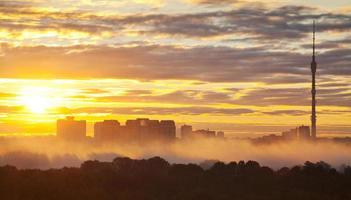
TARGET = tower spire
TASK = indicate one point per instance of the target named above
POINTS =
(314, 39)
(313, 91)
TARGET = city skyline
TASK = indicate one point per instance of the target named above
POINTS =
(143, 131)
(238, 66)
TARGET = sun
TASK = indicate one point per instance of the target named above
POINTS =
(37, 104)
(36, 100)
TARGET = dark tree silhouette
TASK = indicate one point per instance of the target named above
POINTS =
(155, 178)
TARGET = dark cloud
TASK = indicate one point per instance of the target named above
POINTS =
(216, 2)
(333, 112)
(260, 96)
(286, 78)
(287, 112)
(295, 96)
(337, 85)
(338, 99)
(179, 97)
(221, 64)
(288, 22)
(191, 110)
(267, 97)
(24, 16)
(335, 62)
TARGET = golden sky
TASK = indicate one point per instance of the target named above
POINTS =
(236, 65)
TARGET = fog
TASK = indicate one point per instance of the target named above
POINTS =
(46, 153)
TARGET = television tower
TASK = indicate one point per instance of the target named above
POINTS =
(313, 91)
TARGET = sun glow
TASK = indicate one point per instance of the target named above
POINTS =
(37, 100)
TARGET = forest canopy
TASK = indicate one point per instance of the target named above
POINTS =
(155, 178)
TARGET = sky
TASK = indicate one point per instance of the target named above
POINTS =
(242, 66)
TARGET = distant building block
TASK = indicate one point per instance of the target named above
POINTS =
(71, 129)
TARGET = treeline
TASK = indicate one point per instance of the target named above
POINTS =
(156, 179)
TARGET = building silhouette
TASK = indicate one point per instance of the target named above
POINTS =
(291, 134)
(299, 133)
(220, 134)
(71, 129)
(304, 132)
(313, 91)
(167, 129)
(186, 131)
(140, 130)
(107, 130)
(204, 133)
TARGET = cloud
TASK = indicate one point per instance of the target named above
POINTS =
(137, 92)
(216, 2)
(94, 91)
(267, 97)
(335, 85)
(208, 63)
(295, 96)
(287, 22)
(221, 64)
(287, 112)
(190, 110)
(273, 53)
(179, 97)
(11, 109)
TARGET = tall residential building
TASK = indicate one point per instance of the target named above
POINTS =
(186, 131)
(107, 131)
(167, 129)
(145, 130)
(71, 129)
(304, 132)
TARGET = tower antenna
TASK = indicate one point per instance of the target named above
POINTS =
(314, 39)
(313, 91)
